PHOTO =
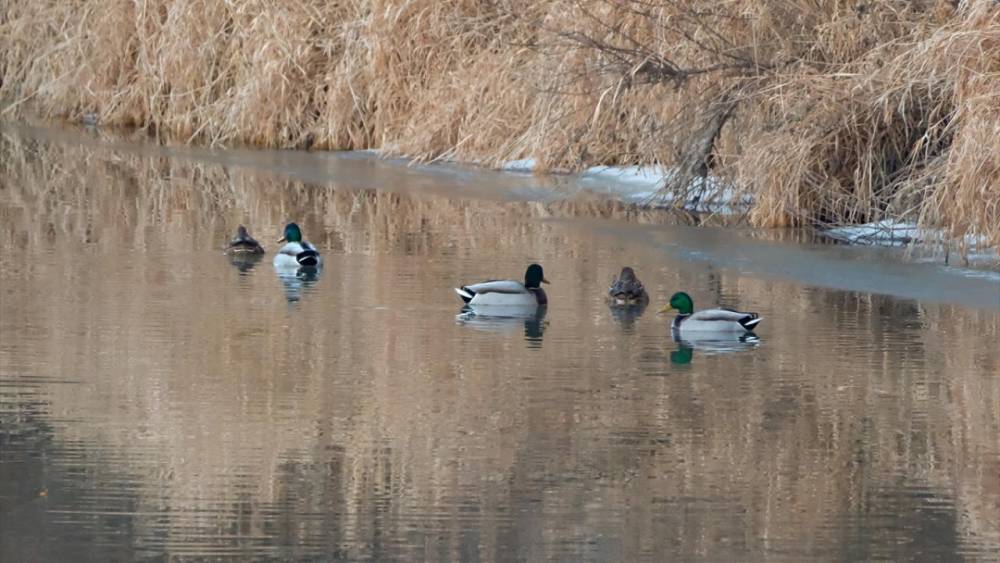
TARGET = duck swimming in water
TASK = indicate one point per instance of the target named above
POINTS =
(243, 243)
(507, 292)
(720, 320)
(627, 289)
(296, 252)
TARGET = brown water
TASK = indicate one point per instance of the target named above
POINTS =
(158, 401)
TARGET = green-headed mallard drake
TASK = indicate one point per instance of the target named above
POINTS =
(709, 320)
(296, 252)
(627, 289)
(243, 243)
(507, 292)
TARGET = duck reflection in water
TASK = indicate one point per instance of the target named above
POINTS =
(715, 345)
(626, 315)
(245, 262)
(296, 281)
(505, 319)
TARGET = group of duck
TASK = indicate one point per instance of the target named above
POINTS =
(626, 290)
(296, 253)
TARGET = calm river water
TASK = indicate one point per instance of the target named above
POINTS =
(158, 401)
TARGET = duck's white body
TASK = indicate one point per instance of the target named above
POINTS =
(297, 255)
(719, 321)
(501, 293)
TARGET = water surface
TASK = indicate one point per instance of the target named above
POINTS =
(159, 401)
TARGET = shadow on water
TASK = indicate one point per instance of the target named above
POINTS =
(297, 281)
(627, 315)
(245, 262)
(505, 320)
(711, 345)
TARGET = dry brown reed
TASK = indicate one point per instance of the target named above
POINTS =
(825, 111)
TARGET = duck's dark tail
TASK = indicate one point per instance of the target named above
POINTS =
(750, 321)
(465, 294)
(244, 247)
(307, 258)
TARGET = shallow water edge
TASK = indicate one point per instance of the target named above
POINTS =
(796, 255)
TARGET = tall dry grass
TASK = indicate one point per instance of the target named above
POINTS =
(825, 111)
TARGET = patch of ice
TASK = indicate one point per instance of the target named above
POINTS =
(897, 234)
(520, 165)
(643, 184)
(649, 177)
(881, 233)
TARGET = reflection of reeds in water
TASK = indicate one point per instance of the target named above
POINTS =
(199, 202)
(348, 412)
(823, 111)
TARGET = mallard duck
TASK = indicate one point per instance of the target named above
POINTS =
(296, 251)
(243, 243)
(709, 320)
(507, 292)
(627, 289)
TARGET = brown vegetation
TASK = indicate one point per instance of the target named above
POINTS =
(826, 111)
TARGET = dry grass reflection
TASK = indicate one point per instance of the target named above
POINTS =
(363, 423)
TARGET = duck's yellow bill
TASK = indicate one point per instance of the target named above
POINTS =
(546, 281)
(666, 309)
(282, 239)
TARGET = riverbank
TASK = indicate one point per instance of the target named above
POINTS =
(826, 114)
(327, 185)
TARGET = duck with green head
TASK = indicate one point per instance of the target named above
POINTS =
(508, 292)
(720, 320)
(296, 253)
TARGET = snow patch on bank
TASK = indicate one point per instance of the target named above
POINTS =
(642, 185)
(881, 233)
(896, 233)
(526, 165)
(972, 248)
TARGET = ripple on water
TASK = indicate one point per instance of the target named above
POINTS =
(158, 401)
